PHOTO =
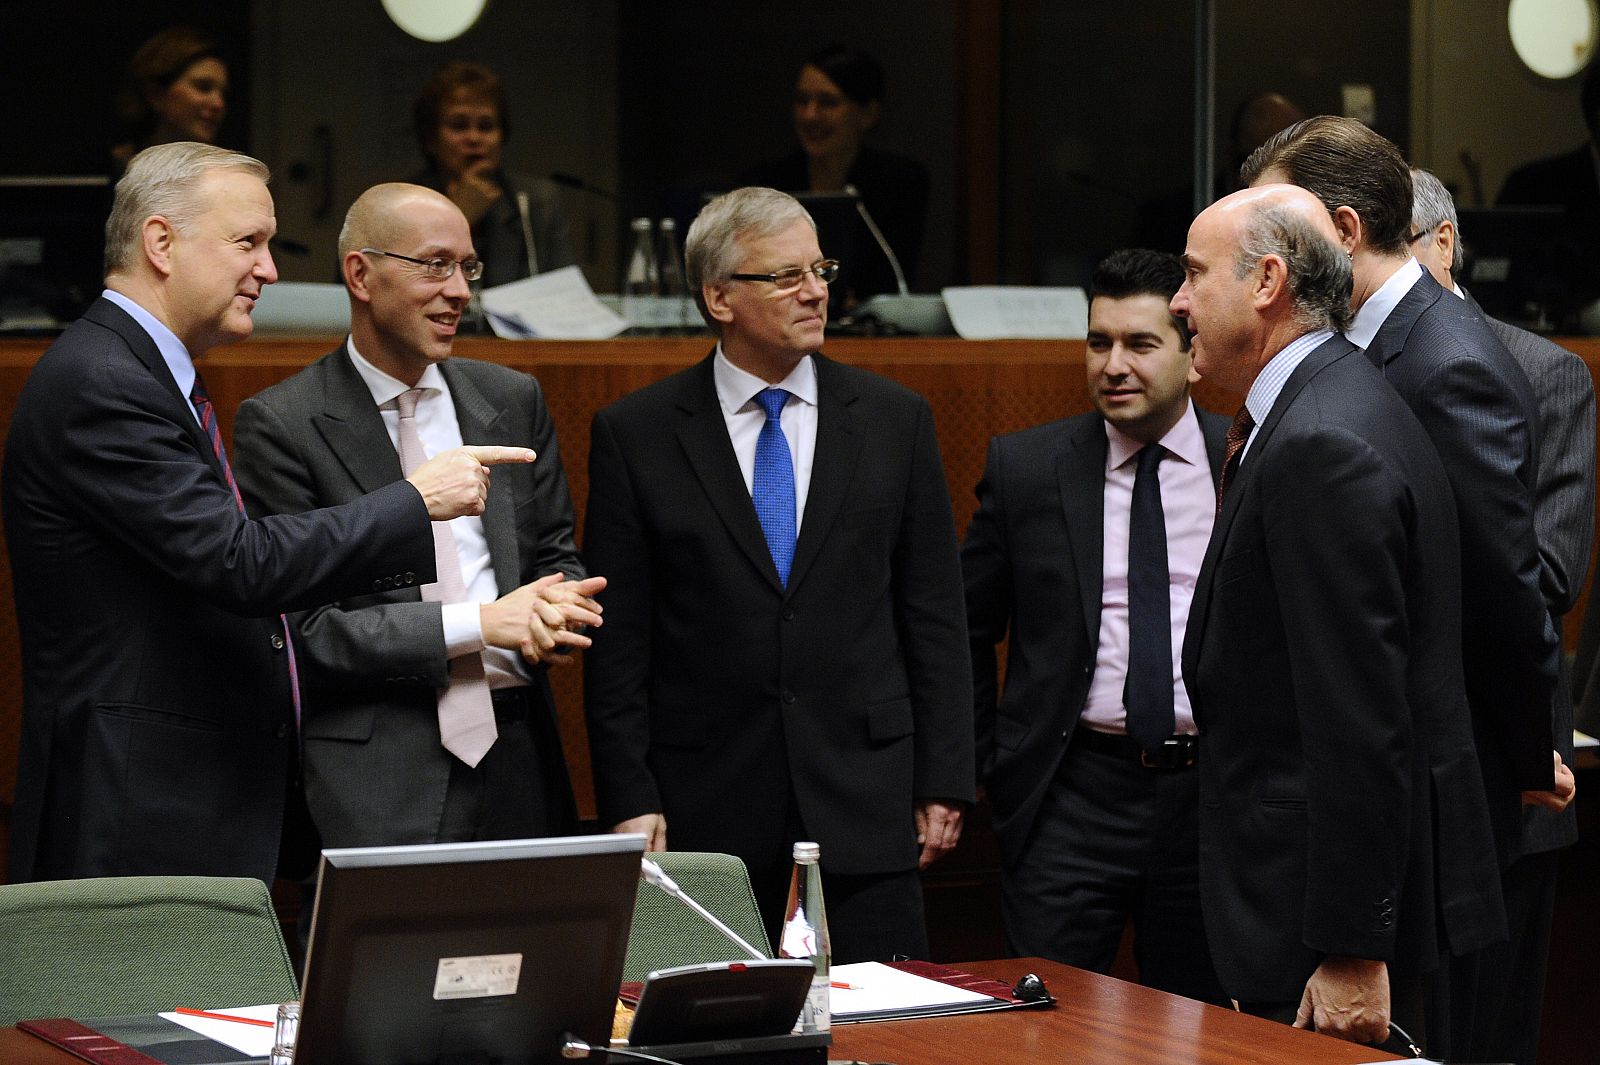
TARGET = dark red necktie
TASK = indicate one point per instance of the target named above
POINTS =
(1234, 442)
(208, 422)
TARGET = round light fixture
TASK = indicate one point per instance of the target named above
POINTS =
(1553, 38)
(435, 20)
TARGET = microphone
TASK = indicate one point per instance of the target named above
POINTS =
(527, 233)
(652, 873)
(572, 181)
(877, 235)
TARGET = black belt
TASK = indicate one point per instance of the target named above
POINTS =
(1175, 752)
(511, 704)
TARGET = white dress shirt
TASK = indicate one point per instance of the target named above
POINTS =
(1374, 312)
(440, 431)
(179, 363)
(736, 394)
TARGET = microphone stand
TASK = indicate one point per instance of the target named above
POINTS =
(877, 235)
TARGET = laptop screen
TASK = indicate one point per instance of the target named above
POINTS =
(466, 952)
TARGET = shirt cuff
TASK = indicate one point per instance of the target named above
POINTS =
(463, 629)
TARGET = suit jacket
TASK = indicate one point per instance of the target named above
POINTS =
(1563, 516)
(1341, 807)
(1033, 552)
(157, 713)
(713, 692)
(373, 663)
(1478, 409)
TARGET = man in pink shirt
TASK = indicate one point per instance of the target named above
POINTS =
(1088, 538)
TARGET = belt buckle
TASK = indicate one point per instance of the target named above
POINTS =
(1174, 754)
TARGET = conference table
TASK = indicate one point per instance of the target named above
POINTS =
(1098, 1020)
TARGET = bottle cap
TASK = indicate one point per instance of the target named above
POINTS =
(807, 852)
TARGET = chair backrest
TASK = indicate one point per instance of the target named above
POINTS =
(139, 944)
(667, 933)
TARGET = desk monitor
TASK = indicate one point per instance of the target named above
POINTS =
(1521, 262)
(52, 247)
(466, 953)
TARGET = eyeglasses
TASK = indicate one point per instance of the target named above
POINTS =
(793, 277)
(436, 269)
(1419, 234)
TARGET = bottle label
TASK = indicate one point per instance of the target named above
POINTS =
(815, 1015)
(799, 939)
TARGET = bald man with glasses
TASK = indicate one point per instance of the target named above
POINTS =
(785, 654)
(428, 717)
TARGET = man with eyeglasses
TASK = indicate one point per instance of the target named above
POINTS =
(428, 716)
(785, 655)
(160, 702)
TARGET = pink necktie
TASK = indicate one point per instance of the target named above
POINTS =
(466, 712)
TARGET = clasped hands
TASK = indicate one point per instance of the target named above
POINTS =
(543, 619)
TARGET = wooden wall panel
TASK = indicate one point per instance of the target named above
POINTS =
(975, 389)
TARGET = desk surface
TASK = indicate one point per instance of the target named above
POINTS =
(1099, 1021)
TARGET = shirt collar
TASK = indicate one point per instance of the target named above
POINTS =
(173, 353)
(1374, 312)
(736, 387)
(1264, 391)
(385, 388)
(1184, 440)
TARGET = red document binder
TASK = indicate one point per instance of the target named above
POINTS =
(85, 1043)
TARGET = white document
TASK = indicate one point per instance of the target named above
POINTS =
(250, 1039)
(1000, 312)
(554, 306)
(875, 986)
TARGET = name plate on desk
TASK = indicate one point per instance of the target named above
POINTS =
(1005, 312)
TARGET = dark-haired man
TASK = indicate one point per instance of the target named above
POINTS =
(1085, 548)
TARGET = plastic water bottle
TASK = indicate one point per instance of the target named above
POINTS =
(641, 279)
(805, 935)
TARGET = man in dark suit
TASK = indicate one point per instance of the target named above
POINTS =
(1510, 998)
(159, 700)
(1478, 408)
(1570, 181)
(784, 656)
(1344, 839)
(376, 665)
(1095, 826)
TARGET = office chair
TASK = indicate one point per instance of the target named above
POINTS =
(667, 933)
(138, 944)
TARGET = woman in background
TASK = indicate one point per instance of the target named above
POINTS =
(838, 98)
(175, 89)
(461, 125)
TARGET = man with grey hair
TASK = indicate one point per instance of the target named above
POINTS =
(784, 656)
(160, 701)
(1322, 655)
(389, 674)
(1510, 1002)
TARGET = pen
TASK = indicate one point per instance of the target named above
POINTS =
(844, 987)
(190, 1012)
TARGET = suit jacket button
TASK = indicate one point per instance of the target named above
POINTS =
(411, 578)
(277, 642)
(788, 698)
(377, 585)
(788, 615)
(282, 732)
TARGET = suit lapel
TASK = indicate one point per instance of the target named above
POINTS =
(1391, 337)
(353, 429)
(1080, 479)
(1309, 367)
(105, 313)
(481, 422)
(833, 465)
(703, 435)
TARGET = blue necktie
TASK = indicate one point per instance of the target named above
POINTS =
(772, 488)
(1148, 694)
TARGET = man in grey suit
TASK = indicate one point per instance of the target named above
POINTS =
(427, 716)
(1563, 518)
(1095, 825)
